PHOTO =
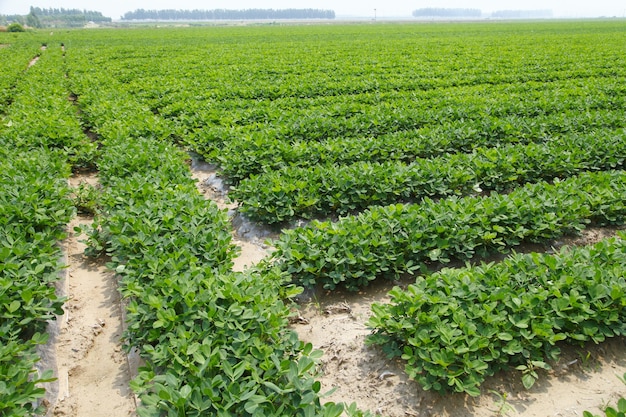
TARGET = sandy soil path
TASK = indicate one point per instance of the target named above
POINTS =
(93, 369)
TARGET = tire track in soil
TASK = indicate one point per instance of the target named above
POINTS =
(93, 369)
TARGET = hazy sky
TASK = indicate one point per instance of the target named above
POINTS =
(360, 8)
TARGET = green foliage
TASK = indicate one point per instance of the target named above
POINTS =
(15, 27)
(339, 190)
(458, 326)
(39, 131)
(214, 342)
(87, 198)
(366, 116)
(18, 379)
(34, 209)
(448, 127)
(386, 242)
(14, 58)
(41, 116)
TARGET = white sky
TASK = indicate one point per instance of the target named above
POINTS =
(357, 8)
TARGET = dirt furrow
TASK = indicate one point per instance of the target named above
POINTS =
(92, 367)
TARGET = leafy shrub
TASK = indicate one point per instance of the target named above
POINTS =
(15, 27)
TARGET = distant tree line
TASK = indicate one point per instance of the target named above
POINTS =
(224, 14)
(522, 14)
(6, 19)
(442, 12)
(47, 18)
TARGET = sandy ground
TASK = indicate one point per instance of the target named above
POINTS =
(248, 237)
(92, 368)
(585, 378)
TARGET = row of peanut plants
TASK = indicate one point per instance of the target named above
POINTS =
(458, 326)
(38, 137)
(489, 114)
(214, 342)
(248, 154)
(16, 52)
(251, 137)
(388, 241)
(331, 152)
(379, 94)
(258, 133)
(330, 190)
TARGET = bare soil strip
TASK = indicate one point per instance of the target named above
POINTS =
(93, 370)
(36, 58)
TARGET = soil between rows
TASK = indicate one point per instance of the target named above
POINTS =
(92, 368)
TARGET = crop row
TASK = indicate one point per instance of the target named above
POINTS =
(338, 190)
(15, 54)
(35, 207)
(54, 126)
(410, 107)
(392, 240)
(458, 326)
(215, 342)
(453, 123)
(219, 95)
(245, 155)
(529, 99)
(344, 61)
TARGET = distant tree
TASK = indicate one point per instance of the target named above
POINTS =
(15, 27)
(32, 20)
(67, 17)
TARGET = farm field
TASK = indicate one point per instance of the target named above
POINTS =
(366, 170)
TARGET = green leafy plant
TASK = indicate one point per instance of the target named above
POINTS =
(86, 198)
(385, 242)
(504, 408)
(458, 326)
(15, 27)
(322, 190)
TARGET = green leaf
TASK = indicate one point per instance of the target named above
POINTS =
(185, 391)
(528, 381)
(14, 306)
(253, 403)
(505, 336)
